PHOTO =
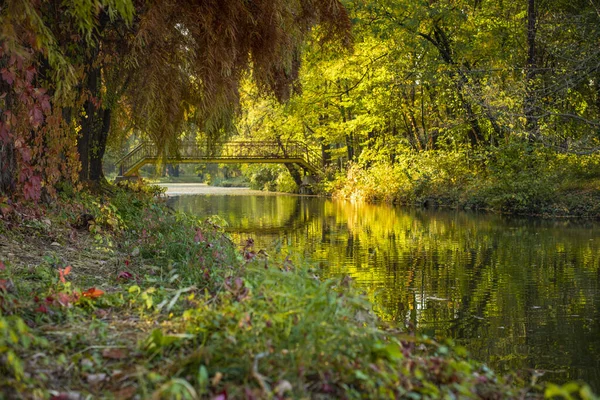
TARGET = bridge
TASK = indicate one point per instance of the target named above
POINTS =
(293, 152)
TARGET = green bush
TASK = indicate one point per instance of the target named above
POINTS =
(515, 177)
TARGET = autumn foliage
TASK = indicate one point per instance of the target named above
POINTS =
(75, 73)
(34, 143)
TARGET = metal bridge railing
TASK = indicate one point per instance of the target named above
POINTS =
(245, 151)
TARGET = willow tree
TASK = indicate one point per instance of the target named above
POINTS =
(164, 61)
(187, 58)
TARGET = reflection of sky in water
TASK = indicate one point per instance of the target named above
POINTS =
(520, 293)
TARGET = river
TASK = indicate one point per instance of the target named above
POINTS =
(520, 294)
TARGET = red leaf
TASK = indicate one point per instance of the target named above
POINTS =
(30, 73)
(8, 75)
(42, 309)
(46, 105)
(2, 266)
(36, 116)
(64, 299)
(25, 154)
(124, 275)
(93, 293)
(62, 396)
(4, 133)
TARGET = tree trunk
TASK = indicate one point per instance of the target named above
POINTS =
(292, 168)
(96, 119)
(8, 166)
(295, 173)
(441, 42)
(531, 123)
(99, 146)
(8, 159)
(326, 153)
(173, 170)
(95, 126)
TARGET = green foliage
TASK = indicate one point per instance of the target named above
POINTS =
(269, 177)
(434, 104)
(15, 338)
(569, 391)
(517, 178)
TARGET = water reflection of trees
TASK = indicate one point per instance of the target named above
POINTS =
(520, 293)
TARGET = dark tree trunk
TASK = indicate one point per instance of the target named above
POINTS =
(350, 147)
(8, 160)
(295, 173)
(173, 170)
(292, 168)
(326, 154)
(529, 103)
(99, 146)
(96, 119)
(95, 126)
(8, 166)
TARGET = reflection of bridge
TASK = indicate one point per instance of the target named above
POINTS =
(300, 218)
(292, 152)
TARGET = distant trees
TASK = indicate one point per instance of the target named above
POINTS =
(447, 74)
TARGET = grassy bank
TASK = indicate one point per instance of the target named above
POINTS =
(120, 297)
(513, 179)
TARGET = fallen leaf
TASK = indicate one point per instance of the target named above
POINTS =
(94, 379)
(114, 354)
(67, 396)
(125, 393)
(42, 309)
(92, 293)
(124, 275)
(64, 299)
(6, 285)
(2, 266)
(64, 272)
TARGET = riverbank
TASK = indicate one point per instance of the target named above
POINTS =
(178, 189)
(511, 179)
(120, 297)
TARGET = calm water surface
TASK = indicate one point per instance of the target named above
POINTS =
(520, 294)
